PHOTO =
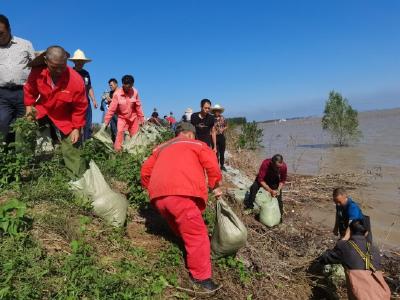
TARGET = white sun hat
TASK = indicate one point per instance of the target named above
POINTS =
(80, 55)
(218, 107)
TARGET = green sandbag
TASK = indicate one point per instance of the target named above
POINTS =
(229, 234)
(107, 204)
(147, 135)
(104, 136)
(240, 195)
(269, 209)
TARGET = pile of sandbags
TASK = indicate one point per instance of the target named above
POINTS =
(269, 208)
(104, 136)
(107, 204)
(229, 233)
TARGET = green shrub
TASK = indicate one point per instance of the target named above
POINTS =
(12, 218)
(250, 136)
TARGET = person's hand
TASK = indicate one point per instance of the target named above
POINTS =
(215, 149)
(217, 192)
(274, 193)
(29, 113)
(94, 103)
(74, 136)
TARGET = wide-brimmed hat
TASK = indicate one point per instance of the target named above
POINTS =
(217, 107)
(39, 59)
(188, 110)
(80, 55)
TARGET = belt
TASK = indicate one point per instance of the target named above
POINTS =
(12, 87)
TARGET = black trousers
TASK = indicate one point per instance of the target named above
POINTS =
(221, 146)
(253, 193)
(11, 107)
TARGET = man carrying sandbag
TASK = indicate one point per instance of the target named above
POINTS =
(175, 177)
(271, 177)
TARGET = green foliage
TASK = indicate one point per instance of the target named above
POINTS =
(12, 218)
(236, 121)
(250, 137)
(340, 119)
(231, 263)
(16, 158)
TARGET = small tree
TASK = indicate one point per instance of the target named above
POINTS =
(251, 136)
(340, 119)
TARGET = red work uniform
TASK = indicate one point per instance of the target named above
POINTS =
(175, 177)
(129, 111)
(64, 103)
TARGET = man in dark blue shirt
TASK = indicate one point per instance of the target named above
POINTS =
(79, 59)
(347, 211)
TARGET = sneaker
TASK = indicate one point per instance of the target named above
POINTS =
(208, 285)
(223, 168)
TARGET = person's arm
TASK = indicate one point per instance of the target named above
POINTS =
(31, 93)
(335, 230)
(332, 256)
(111, 110)
(214, 138)
(91, 96)
(208, 161)
(347, 234)
(78, 114)
(147, 169)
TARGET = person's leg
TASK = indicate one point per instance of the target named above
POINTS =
(113, 126)
(253, 193)
(194, 233)
(6, 114)
(122, 126)
(221, 149)
(161, 207)
(87, 131)
(134, 127)
(280, 202)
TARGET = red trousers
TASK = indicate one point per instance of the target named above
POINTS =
(122, 126)
(185, 219)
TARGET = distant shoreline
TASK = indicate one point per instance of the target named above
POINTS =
(320, 116)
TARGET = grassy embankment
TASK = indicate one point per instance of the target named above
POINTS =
(57, 248)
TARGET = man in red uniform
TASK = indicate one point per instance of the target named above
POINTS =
(57, 93)
(175, 177)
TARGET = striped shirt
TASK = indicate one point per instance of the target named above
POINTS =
(14, 58)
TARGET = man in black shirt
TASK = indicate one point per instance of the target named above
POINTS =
(204, 122)
(79, 59)
(105, 102)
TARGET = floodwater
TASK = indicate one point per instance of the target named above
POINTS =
(309, 150)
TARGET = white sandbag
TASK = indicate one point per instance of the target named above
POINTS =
(269, 209)
(104, 136)
(107, 204)
(229, 234)
(240, 195)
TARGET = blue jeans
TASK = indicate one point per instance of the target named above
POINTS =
(113, 126)
(11, 107)
(87, 131)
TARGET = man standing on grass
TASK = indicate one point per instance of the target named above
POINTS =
(58, 95)
(105, 104)
(15, 54)
(204, 122)
(175, 177)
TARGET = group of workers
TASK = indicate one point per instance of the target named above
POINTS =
(58, 97)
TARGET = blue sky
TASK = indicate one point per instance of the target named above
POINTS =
(260, 59)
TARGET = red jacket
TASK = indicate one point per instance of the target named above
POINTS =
(65, 105)
(265, 174)
(178, 167)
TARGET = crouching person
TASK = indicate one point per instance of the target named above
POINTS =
(361, 261)
(126, 104)
(57, 93)
(175, 177)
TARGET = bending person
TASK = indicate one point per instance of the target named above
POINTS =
(271, 177)
(182, 198)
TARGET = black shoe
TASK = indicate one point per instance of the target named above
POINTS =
(208, 285)
(223, 168)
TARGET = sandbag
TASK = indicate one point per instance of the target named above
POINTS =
(104, 136)
(269, 209)
(240, 195)
(107, 204)
(148, 134)
(335, 274)
(229, 233)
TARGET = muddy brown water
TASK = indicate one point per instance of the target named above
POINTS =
(307, 149)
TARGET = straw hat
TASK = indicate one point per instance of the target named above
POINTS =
(218, 107)
(39, 60)
(80, 55)
(188, 111)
